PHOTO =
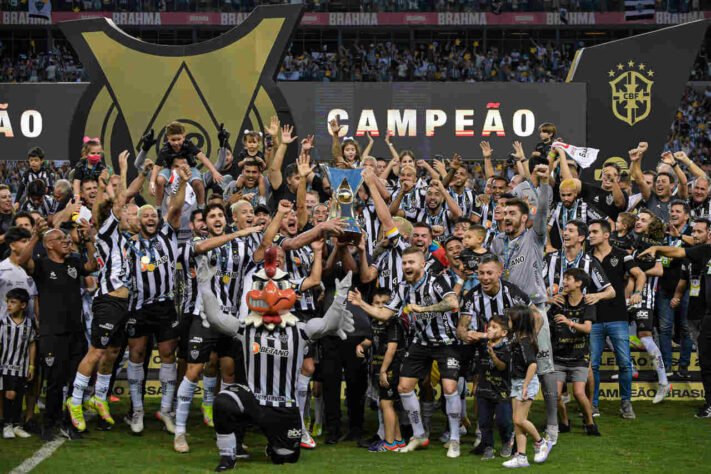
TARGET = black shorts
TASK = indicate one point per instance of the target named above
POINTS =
(644, 318)
(468, 360)
(281, 425)
(390, 393)
(13, 383)
(203, 341)
(185, 320)
(108, 324)
(418, 361)
(158, 319)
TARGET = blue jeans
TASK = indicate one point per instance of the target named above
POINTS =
(504, 420)
(665, 313)
(619, 334)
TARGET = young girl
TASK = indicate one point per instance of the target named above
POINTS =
(524, 385)
(250, 141)
(347, 153)
(90, 163)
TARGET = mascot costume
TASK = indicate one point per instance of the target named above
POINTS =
(274, 341)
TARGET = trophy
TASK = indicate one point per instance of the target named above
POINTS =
(345, 184)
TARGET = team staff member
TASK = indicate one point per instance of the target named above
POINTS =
(697, 255)
(58, 277)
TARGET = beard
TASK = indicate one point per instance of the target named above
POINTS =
(148, 232)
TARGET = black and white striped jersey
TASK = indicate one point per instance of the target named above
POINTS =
(111, 254)
(298, 266)
(389, 263)
(370, 225)
(561, 215)
(434, 328)
(29, 176)
(466, 200)
(252, 241)
(411, 201)
(15, 340)
(47, 207)
(233, 261)
(188, 267)
(442, 217)
(700, 209)
(650, 287)
(272, 361)
(555, 265)
(151, 264)
(481, 306)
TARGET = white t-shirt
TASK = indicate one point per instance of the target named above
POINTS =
(13, 276)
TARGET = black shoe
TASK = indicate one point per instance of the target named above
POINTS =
(226, 463)
(704, 411)
(103, 425)
(683, 373)
(564, 428)
(479, 450)
(31, 426)
(354, 434)
(48, 434)
(591, 430)
(70, 433)
(367, 442)
(332, 438)
(241, 453)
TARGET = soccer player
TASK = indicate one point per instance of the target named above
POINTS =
(18, 349)
(431, 307)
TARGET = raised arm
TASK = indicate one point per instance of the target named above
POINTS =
(176, 204)
(487, 151)
(147, 142)
(521, 160)
(694, 169)
(540, 220)
(314, 278)
(673, 252)
(381, 314)
(381, 209)
(273, 130)
(336, 151)
(393, 152)
(303, 165)
(682, 189)
(636, 170)
(25, 258)
(275, 175)
(272, 229)
(563, 163)
(455, 212)
(369, 146)
(204, 246)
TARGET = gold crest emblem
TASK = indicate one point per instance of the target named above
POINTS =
(631, 91)
(138, 86)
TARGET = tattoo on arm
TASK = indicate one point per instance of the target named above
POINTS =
(447, 304)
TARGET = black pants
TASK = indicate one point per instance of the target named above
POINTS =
(339, 360)
(704, 345)
(60, 355)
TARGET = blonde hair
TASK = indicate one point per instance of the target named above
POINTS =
(235, 206)
(144, 208)
(403, 226)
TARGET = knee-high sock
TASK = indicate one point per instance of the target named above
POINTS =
(302, 387)
(411, 405)
(656, 355)
(185, 398)
(550, 396)
(453, 408)
(101, 388)
(381, 423)
(135, 381)
(318, 410)
(227, 444)
(208, 389)
(80, 384)
(168, 376)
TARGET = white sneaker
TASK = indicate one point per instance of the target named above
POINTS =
(137, 422)
(180, 444)
(542, 451)
(662, 393)
(307, 442)
(7, 432)
(453, 451)
(565, 398)
(415, 444)
(167, 421)
(517, 461)
(20, 432)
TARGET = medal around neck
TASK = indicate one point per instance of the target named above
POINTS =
(345, 184)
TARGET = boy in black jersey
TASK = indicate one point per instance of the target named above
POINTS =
(546, 132)
(473, 251)
(492, 391)
(623, 237)
(387, 340)
(570, 335)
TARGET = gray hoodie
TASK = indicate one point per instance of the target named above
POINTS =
(525, 265)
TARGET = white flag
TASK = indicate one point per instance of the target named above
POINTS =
(583, 156)
(40, 9)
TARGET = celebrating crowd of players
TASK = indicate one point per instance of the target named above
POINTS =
(516, 287)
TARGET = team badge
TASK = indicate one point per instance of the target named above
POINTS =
(104, 340)
(631, 91)
(614, 261)
(72, 272)
(609, 199)
(49, 360)
(255, 348)
(194, 354)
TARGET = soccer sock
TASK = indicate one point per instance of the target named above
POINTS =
(412, 406)
(227, 444)
(656, 356)
(381, 424)
(80, 384)
(88, 392)
(185, 398)
(302, 387)
(168, 376)
(135, 380)
(208, 390)
(318, 410)
(453, 407)
(102, 386)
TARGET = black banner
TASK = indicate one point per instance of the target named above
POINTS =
(437, 118)
(635, 86)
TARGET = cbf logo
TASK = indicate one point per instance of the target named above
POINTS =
(138, 86)
(631, 91)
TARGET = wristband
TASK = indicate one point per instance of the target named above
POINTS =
(391, 145)
(636, 292)
(32, 367)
